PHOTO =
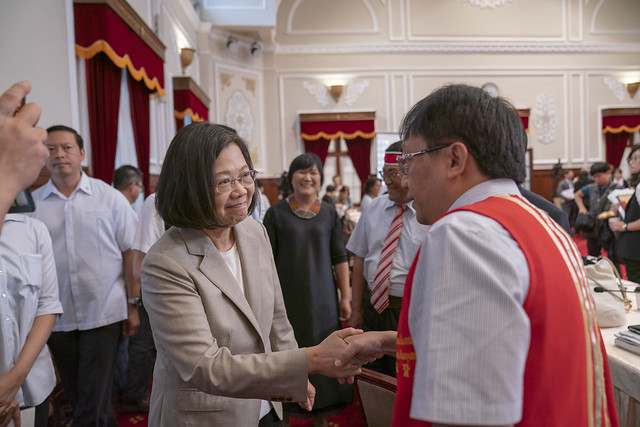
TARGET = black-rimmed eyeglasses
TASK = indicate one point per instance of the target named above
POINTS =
(403, 160)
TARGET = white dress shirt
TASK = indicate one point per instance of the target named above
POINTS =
(28, 289)
(468, 325)
(368, 237)
(90, 230)
(150, 227)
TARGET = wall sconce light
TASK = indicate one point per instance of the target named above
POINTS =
(632, 88)
(255, 49)
(336, 92)
(186, 57)
(232, 44)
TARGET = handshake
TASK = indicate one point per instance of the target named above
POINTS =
(342, 354)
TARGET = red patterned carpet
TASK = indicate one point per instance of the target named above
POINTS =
(350, 417)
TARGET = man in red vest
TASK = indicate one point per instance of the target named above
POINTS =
(497, 325)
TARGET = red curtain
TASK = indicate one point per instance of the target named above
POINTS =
(99, 29)
(139, 104)
(103, 97)
(185, 103)
(360, 153)
(320, 147)
(616, 143)
(617, 130)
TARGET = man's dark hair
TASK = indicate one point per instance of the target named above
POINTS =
(126, 175)
(305, 161)
(369, 184)
(186, 187)
(396, 147)
(488, 126)
(58, 128)
(331, 188)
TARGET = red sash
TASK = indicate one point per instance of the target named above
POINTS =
(566, 380)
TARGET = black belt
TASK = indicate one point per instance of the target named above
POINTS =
(395, 302)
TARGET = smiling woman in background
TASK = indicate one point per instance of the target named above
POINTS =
(306, 236)
(225, 347)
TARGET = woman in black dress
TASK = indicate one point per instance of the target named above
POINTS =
(306, 237)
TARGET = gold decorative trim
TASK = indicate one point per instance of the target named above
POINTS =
(620, 129)
(188, 112)
(120, 62)
(346, 136)
(133, 21)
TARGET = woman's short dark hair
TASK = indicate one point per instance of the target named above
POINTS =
(488, 126)
(305, 161)
(186, 187)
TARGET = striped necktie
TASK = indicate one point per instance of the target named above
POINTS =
(381, 283)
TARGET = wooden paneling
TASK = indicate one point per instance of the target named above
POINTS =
(542, 181)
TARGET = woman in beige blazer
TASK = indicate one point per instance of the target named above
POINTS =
(227, 355)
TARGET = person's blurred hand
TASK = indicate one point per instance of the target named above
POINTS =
(22, 150)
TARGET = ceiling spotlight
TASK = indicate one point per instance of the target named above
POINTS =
(232, 44)
(255, 49)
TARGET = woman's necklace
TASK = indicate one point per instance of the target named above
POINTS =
(300, 212)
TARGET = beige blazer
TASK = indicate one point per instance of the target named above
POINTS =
(219, 351)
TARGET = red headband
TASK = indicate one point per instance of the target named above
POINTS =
(391, 158)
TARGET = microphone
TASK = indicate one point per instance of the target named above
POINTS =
(600, 289)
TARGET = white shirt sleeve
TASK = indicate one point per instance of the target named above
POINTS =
(150, 226)
(469, 329)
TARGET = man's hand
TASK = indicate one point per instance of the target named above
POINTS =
(345, 309)
(355, 321)
(364, 348)
(131, 325)
(10, 412)
(311, 397)
(22, 150)
(321, 358)
(9, 386)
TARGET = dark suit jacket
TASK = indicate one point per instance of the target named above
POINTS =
(557, 214)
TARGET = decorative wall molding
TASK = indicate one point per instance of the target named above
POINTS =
(239, 115)
(327, 49)
(545, 118)
(487, 4)
(594, 17)
(319, 91)
(373, 30)
(618, 88)
(354, 90)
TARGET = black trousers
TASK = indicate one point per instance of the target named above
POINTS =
(270, 420)
(86, 361)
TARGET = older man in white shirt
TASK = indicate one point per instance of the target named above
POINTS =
(367, 244)
(92, 228)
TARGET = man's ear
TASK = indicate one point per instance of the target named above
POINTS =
(458, 159)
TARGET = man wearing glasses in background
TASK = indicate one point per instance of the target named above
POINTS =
(497, 326)
(384, 243)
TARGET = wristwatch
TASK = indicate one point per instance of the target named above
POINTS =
(137, 301)
(624, 226)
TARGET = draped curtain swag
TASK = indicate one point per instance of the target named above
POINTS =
(111, 36)
(99, 29)
(189, 100)
(618, 125)
(357, 129)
